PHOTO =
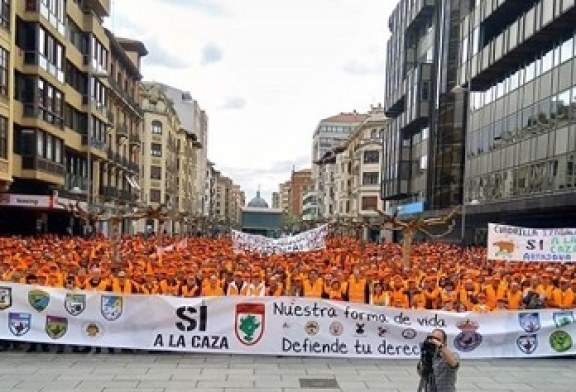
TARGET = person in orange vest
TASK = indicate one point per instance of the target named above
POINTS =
(563, 297)
(398, 297)
(481, 305)
(431, 293)
(123, 285)
(357, 287)
(335, 291)
(213, 288)
(378, 296)
(150, 286)
(313, 286)
(514, 297)
(494, 290)
(95, 282)
(190, 288)
(238, 286)
(274, 288)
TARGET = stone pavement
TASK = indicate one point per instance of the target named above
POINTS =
(48, 372)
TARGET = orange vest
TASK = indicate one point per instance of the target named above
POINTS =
(357, 290)
(514, 300)
(233, 289)
(190, 291)
(335, 294)
(381, 299)
(102, 286)
(313, 290)
(399, 299)
(209, 291)
(127, 289)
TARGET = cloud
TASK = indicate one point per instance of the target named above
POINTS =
(209, 7)
(159, 56)
(233, 103)
(211, 54)
(359, 68)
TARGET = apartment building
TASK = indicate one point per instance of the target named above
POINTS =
(275, 200)
(195, 121)
(517, 68)
(165, 167)
(70, 136)
(330, 133)
(284, 196)
(299, 182)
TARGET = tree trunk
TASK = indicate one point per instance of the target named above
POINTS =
(407, 240)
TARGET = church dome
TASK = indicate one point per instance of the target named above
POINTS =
(258, 202)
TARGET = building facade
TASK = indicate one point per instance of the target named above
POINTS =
(162, 139)
(284, 197)
(65, 135)
(517, 66)
(423, 143)
(330, 133)
(298, 183)
(275, 200)
(195, 121)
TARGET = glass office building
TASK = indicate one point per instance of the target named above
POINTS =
(518, 63)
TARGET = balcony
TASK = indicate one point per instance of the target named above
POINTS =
(121, 131)
(94, 143)
(134, 139)
(109, 192)
(125, 195)
(134, 167)
(110, 116)
(33, 162)
(73, 180)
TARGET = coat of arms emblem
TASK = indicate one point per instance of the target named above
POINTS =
(468, 339)
(56, 327)
(38, 299)
(111, 307)
(5, 297)
(75, 303)
(19, 323)
(527, 343)
(530, 322)
(250, 321)
(562, 319)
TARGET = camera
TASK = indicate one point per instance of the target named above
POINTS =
(427, 352)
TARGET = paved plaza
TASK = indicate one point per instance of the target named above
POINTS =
(48, 372)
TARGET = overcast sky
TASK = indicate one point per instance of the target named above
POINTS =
(265, 71)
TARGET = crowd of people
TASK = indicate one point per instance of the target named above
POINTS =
(440, 276)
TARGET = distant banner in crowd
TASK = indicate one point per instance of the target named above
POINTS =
(531, 245)
(272, 326)
(310, 240)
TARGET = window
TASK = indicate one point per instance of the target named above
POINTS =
(424, 162)
(40, 144)
(3, 137)
(155, 196)
(369, 203)
(370, 178)
(5, 14)
(372, 156)
(157, 127)
(155, 172)
(3, 71)
(156, 149)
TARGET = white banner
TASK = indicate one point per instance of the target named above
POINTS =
(310, 240)
(531, 245)
(272, 326)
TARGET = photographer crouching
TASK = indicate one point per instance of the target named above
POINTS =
(438, 365)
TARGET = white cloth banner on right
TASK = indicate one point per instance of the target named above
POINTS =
(513, 243)
(307, 241)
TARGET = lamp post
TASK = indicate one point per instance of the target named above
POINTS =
(463, 220)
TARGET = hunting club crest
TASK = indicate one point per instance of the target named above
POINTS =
(527, 343)
(19, 323)
(562, 319)
(38, 299)
(530, 322)
(56, 327)
(5, 297)
(249, 323)
(468, 339)
(75, 303)
(111, 307)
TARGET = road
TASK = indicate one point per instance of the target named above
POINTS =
(144, 372)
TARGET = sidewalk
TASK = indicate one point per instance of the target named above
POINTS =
(39, 372)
